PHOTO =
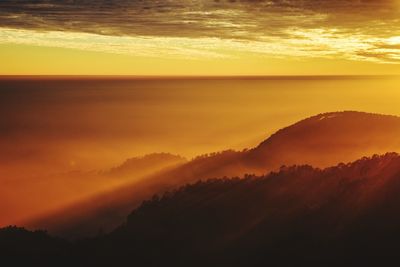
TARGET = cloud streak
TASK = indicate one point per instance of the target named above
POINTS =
(352, 29)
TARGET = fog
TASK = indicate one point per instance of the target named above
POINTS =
(56, 133)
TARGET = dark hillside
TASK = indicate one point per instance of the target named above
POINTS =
(347, 215)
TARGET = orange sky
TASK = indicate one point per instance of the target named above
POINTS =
(100, 122)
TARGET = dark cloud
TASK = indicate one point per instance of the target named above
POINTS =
(111, 17)
(367, 22)
(215, 18)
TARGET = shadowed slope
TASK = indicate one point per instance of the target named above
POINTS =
(322, 140)
(145, 165)
(107, 210)
(330, 138)
(347, 215)
(341, 216)
(31, 195)
(19, 247)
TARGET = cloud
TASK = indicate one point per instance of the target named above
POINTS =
(188, 18)
(279, 22)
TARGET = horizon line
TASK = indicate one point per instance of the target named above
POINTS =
(191, 77)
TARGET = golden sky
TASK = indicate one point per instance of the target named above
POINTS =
(200, 37)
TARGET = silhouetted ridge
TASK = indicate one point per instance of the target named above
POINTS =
(299, 215)
(367, 168)
(346, 215)
(320, 141)
(329, 138)
(19, 247)
(146, 164)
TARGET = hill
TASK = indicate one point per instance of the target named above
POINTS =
(347, 215)
(54, 191)
(19, 247)
(327, 139)
(322, 140)
(142, 166)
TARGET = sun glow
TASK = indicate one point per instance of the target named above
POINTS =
(206, 55)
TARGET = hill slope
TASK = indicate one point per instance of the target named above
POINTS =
(347, 215)
(327, 139)
(322, 140)
(141, 166)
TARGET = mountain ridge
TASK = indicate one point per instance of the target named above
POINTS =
(343, 215)
(146, 164)
(344, 135)
(317, 141)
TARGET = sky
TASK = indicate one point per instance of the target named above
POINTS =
(200, 37)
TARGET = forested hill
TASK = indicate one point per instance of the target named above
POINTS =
(347, 215)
